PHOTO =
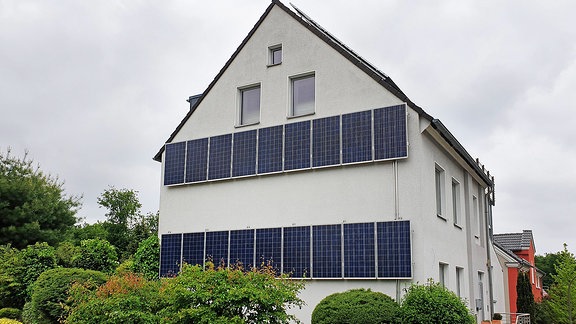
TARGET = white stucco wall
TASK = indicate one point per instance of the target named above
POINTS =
(355, 193)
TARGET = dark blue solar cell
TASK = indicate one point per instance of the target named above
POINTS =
(193, 248)
(220, 157)
(197, 160)
(357, 137)
(297, 251)
(326, 141)
(390, 133)
(242, 248)
(394, 252)
(217, 247)
(269, 248)
(297, 145)
(270, 149)
(327, 251)
(244, 154)
(174, 159)
(170, 249)
(359, 251)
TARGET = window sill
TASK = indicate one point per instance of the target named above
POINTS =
(246, 125)
(303, 115)
(441, 217)
(458, 226)
(271, 65)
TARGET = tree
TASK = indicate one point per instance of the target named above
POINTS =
(547, 263)
(96, 254)
(33, 205)
(147, 258)
(433, 303)
(525, 297)
(357, 306)
(563, 292)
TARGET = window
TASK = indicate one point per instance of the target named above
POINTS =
(439, 180)
(249, 105)
(476, 215)
(303, 95)
(443, 280)
(456, 201)
(459, 277)
(275, 55)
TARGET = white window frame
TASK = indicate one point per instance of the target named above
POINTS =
(271, 51)
(439, 188)
(240, 122)
(459, 278)
(292, 109)
(443, 274)
(456, 209)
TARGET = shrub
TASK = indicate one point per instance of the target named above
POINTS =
(12, 313)
(96, 254)
(357, 306)
(147, 258)
(432, 303)
(51, 290)
(497, 316)
(9, 321)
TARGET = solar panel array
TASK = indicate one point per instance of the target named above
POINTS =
(365, 136)
(357, 250)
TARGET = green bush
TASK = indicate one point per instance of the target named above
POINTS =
(432, 303)
(12, 313)
(147, 258)
(357, 306)
(31, 316)
(9, 321)
(96, 254)
(51, 290)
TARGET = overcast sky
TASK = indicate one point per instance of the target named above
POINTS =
(92, 89)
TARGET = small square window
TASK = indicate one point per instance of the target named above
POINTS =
(249, 105)
(303, 95)
(275, 55)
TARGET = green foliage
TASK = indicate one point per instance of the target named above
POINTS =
(543, 313)
(432, 303)
(12, 313)
(230, 295)
(31, 316)
(96, 254)
(9, 321)
(85, 231)
(33, 205)
(147, 258)
(127, 298)
(51, 290)
(357, 306)
(125, 267)
(65, 253)
(10, 287)
(547, 263)
(562, 294)
(525, 297)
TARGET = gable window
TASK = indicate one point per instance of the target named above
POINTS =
(439, 183)
(249, 105)
(275, 55)
(303, 95)
(456, 202)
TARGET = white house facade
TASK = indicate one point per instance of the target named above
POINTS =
(303, 155)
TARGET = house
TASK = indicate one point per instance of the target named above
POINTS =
(302, 154)
(516, 253)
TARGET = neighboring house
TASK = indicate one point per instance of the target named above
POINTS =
(516, 252)
(303, 155)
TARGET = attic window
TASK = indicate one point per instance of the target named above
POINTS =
(275, 55)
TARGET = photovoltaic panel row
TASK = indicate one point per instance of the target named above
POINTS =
(360, 250)
(370, 135)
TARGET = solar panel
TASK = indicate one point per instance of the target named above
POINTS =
(297, 145)
(220, 157)
(170, 249)
(174, 159)
(269, 247)
(390, 133)
(217, 248)
(242, 248)
(197, 160)
(394, 252)
(326, 141)
(327, 251)
(270, 149)
(359, 251)
(297, 251)
(193, 248)
(357, 137)
(244, 154)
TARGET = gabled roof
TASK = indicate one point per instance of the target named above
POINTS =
(513, 258)
(381, 78)
(515, 241)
